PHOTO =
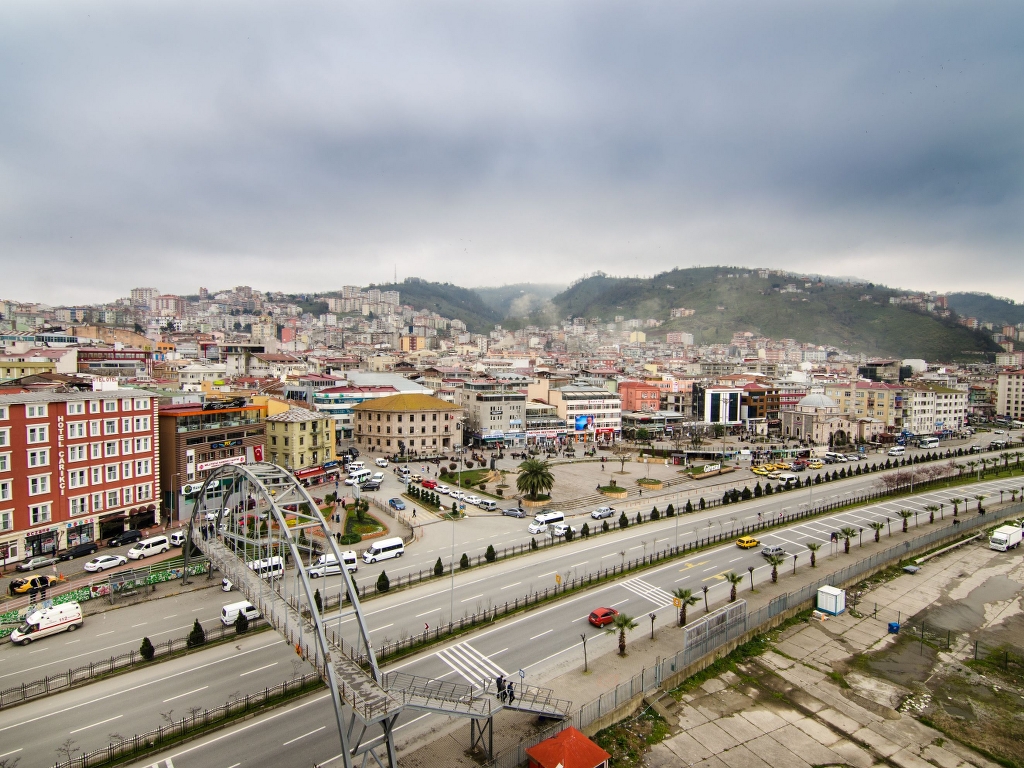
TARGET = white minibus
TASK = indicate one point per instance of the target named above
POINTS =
(268, 566)
(384, 550)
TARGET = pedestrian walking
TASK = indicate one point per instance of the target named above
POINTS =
(500, 686)
(759, 517)
(511, 691)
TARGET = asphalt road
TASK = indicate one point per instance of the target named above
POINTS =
(533, 641)
(90, 716)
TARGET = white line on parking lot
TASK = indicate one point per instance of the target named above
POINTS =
(509, 586)
(548, 632)
(187, 693)
(304, 736)
(265, 666)
(101, 722)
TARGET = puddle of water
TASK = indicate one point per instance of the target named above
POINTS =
(968, 614)
(905, 662)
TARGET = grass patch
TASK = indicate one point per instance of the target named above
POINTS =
(628, 741)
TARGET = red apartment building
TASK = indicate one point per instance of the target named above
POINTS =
(639, 396)
(75, 467)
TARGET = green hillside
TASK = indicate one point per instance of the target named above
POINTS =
(728, 300)
(987, 308)
(519, 300)
(447, 300)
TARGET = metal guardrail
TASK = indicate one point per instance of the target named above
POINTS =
(146, 742)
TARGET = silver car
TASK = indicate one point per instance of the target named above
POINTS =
(773, 551)
(602, 512)
(513, 512)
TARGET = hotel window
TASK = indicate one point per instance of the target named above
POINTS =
(127, 495)
(94, 429)
(110, 427)
(142, 404)
(79, 506)
(126, 470)
(39, 513)
(5, 462)
(112, 473)
(110, 448)
(76, 429)
(109, 406)
(94, 406)
(113, 499)
(38, 484)
(5, 437)
(95, 450)
(6, 520)
(77, 452)
(39, 458)
(126, 425)
(3, 413)
(97, 502)
(35, 411)
(142, 467)
(5, 490)
(40, 434)
(144, 492)
(142, 423)
(74, 409)
(142, 444)
(126, 405)
(78, 478)
(126, 446)
(97, 475)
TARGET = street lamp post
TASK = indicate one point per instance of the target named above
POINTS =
(583, 637)
(451, 609)
(652, 617)
(705, 588)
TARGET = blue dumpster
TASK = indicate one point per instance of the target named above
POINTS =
(894, 627)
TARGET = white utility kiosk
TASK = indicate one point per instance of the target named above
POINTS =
(831, 600)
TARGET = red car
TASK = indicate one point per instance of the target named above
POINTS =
(429, 484)
(603, 616)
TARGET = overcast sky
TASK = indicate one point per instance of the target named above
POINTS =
(302, 146)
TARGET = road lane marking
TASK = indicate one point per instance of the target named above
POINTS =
(258, 669)
(317, 730)
(38, 650)
(101, 634)
(420, 615)
(709, 569)
(378, 629)
(133, 626)
(581, 618)
(619, 603)
(170, 617)
(101, 722)
(187, 693)
(474, 597)
(72, 642)
(735, 559)
(12, 752)
(550, 573)
(509, 586)
(548, 632)
(577, 565)
(475, 667)
(140, 685)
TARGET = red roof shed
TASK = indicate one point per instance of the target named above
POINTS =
(569, 749)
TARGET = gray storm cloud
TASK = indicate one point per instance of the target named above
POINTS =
(302, 146)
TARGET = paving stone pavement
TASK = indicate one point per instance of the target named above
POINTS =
(814, 721)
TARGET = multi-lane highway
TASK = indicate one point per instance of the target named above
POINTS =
(534, 641)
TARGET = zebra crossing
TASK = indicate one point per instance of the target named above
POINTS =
(467, 661)
(656, 595)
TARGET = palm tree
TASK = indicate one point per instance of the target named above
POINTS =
(621, 623)
(1013, 495)
(906, 514)
(735, 579)
(534, 478)
(814, 546)
(846, 533)
(1005, 456)
(981, 498)
(877, 527)
(971, 465)
(686, 598)
(956, 502)
(775, 561)
(932, 509)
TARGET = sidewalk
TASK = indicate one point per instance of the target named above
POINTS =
(449, 740)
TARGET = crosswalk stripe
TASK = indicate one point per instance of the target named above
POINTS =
(656, 595)
(472, 665)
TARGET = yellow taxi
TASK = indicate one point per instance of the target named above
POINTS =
(815, 465)
(760, 470)
(747, 542)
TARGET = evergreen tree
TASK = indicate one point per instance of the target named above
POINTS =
(197, 636)
(464, 562)
(670, 511)
(317, 600)
(689, 506)
(655, 514)
(146, 650)
(585, 530)
(383, 582)
(490, 555)
(623, 520)
(758, 490)
(439, 568)
(702, 504)
(533, 543)
(242, 623)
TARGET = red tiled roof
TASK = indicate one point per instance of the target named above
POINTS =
(569, 749)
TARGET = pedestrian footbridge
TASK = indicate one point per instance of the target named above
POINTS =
(252, 521)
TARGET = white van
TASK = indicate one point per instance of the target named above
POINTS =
(48, 621)
(897, 450)
(229, 613)
(488, 505)
(831, 457)
(540, 523)
(268, 566)
(178, 538)
(384, 550)
(928, 442)
(327, 565)
(354, 466)
(358, 477)
(151, 546)
(788, 477)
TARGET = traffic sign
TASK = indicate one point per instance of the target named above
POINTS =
(558, 578)
(677, 602)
